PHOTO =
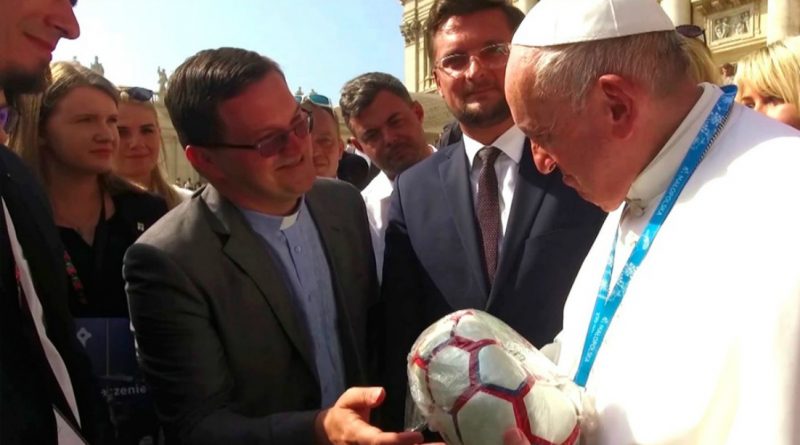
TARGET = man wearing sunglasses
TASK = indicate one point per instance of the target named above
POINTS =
(475, 225)
(46, 391)
(326, 142)
(249, 301)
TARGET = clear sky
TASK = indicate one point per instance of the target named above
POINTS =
(320, 44)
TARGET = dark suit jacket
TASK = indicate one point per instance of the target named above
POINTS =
(219, 340)
(433, 260)
(356, 170)
(28, 388)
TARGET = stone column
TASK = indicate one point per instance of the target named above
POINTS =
(680, 11)
(783, 19)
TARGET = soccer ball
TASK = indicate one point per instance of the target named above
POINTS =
(473, 378)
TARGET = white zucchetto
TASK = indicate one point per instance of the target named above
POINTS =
(559, 22)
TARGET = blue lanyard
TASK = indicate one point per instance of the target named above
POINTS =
(605, 307)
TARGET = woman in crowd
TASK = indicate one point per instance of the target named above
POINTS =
(68, 136)
(769, 81)
(140, 145)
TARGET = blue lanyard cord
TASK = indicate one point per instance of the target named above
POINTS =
(606, 306)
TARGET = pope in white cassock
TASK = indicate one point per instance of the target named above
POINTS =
(684, 322)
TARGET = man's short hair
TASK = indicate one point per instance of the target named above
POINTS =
(359, 93)
(203, 82)
(442, 10)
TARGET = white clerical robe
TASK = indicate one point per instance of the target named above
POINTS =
(705, 347)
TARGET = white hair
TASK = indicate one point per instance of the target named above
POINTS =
(656, 61)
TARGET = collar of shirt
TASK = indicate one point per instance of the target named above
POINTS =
(510, 143)
(264, 223)
(655, 178)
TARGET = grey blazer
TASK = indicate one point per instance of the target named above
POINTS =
(219, 340)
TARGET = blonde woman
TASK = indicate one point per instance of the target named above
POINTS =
(68, 136)
(769, 81)
(139, 155)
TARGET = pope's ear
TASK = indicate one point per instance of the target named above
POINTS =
(617, 98)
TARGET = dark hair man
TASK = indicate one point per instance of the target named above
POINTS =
(475, 225)
(45, 380)
(249, 302)
(698, 278)
(387, 123)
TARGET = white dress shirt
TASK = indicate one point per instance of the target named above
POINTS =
(377, 196)
(506, 167)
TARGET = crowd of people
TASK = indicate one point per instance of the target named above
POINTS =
(276, 303)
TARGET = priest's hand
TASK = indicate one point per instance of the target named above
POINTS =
(347, 422)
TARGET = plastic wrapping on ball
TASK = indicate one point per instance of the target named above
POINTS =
(472, 378)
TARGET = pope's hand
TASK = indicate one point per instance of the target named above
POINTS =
(347, 422)
(515, 437)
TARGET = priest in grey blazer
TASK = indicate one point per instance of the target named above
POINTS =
(249, 301)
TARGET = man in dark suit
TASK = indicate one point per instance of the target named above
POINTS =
(476, 225)
(249, 302)
(46, 390)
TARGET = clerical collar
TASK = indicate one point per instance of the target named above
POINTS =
(510, 143)
(655, 178)
(272, 223)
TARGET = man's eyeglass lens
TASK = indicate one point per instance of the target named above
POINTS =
(492, 56)
(275, 143)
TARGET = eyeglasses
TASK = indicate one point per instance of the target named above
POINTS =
(138, 93)
(8, 117)
(271, 145)
(314, 98)
(492, 56)
(691, 31)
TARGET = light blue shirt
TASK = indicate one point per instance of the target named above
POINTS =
(295, 242)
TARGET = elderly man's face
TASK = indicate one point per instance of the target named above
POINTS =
(29, 32)
(578, 142)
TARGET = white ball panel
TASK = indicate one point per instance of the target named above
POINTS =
(551, 413)
(448, 376)
(484, 419)
(497, 367)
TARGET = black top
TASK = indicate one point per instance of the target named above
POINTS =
(99, 266)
